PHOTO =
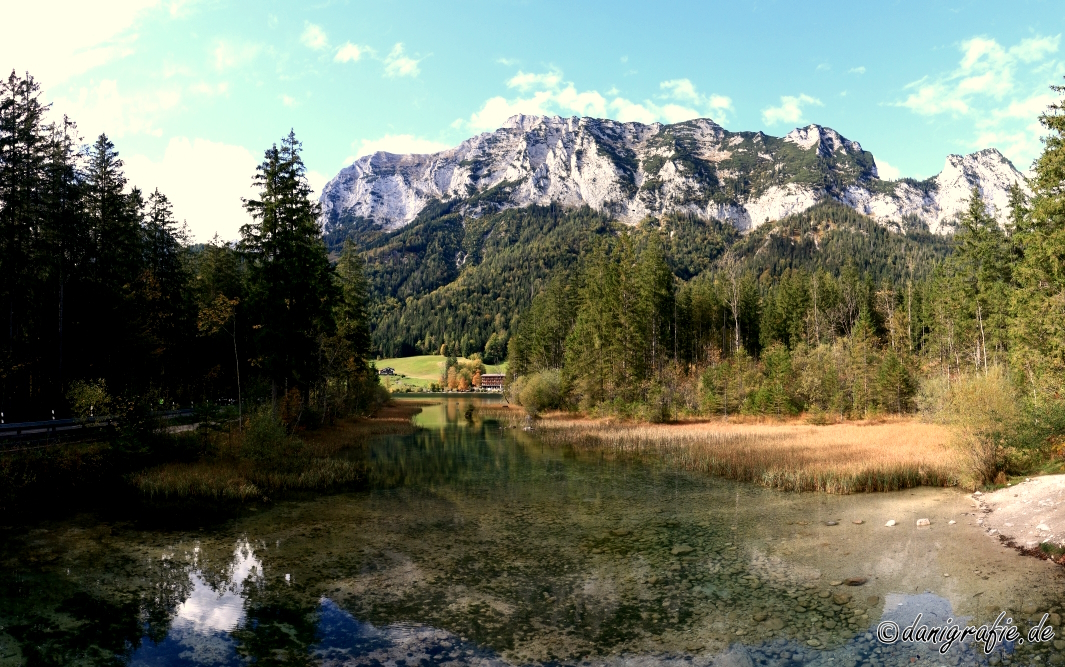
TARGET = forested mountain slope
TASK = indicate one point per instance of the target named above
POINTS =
(464, 282)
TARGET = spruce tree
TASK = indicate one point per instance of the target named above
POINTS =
(1038, 330)
(289, 273)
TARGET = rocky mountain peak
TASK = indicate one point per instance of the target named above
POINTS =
(632, 170)
(827, 140)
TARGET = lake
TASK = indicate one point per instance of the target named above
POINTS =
(474, 544)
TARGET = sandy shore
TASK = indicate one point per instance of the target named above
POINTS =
(1028, 513)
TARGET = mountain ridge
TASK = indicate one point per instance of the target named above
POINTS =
(629, 171)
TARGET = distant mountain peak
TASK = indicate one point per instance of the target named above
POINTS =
(631, 170)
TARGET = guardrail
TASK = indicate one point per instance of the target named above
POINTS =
(55, 429)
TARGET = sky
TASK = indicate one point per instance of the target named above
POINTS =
(193, 91)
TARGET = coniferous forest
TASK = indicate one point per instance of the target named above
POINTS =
(108, 308)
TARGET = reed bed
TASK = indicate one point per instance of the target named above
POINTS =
(233, 472)
(229, 480)
(841, 458)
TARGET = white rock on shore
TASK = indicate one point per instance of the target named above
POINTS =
(1031, 511)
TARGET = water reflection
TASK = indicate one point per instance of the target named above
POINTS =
(209, 611)
(476, 545)
(201, 624)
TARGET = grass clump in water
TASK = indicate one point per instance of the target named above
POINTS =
(264, 459)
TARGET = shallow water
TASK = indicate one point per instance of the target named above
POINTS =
(475, 544)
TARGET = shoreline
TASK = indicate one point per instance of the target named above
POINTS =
(1028, 516)
(194, 469)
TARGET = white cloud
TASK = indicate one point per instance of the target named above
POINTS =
(857, 70)
(548, 93)
(886, 171)
(633, 112)
(105, 108)
(317, 181)
(498, 109)
(204, 88)
(933, 98)
(288, 101)
(204, 180)
(681, 89)
(398, 64)
(80, 36)
(676, 113)
(313, 37)
(524, 81)
(1002, 90)
(588, 103)
(228, 55)
(790, 109)
(400, 144)
(348, 53)
(986, 69)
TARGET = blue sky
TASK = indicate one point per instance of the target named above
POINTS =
(192, 91)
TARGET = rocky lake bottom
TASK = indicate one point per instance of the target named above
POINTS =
(476, 545)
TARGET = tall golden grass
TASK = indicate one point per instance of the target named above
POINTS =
(841, 458)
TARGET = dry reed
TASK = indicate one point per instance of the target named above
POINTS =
(231, 475)
(842, 458)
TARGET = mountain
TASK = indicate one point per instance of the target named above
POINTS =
(449, 279)
(627, 171)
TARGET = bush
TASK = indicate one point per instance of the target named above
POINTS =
(539, 391)
(90, 399)
(267, 441)
(985, 410)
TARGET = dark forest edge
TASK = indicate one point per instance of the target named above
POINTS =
(110, 310)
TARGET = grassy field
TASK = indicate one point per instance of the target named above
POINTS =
(841, 458)
(422, 370)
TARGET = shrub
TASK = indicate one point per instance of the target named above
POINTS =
(89, 399)
(266, 440)
(985, 411)
(540, 391)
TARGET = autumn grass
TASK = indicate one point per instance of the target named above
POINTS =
(840, 458)
(234, 470)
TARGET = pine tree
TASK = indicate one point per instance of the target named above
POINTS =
(592, 350)
(289, 271)
(165, 302)
(23, 150)
(108, 346)
(351, 313)
(1038, 329)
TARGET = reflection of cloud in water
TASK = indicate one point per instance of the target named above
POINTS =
(206, 610)
(199, 634)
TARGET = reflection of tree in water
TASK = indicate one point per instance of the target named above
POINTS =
(100, 614)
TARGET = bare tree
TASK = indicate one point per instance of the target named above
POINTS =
(732, 269)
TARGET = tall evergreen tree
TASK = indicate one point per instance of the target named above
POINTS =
(289, 273)
(23, 151)
(108, 345)
(1038, 327)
